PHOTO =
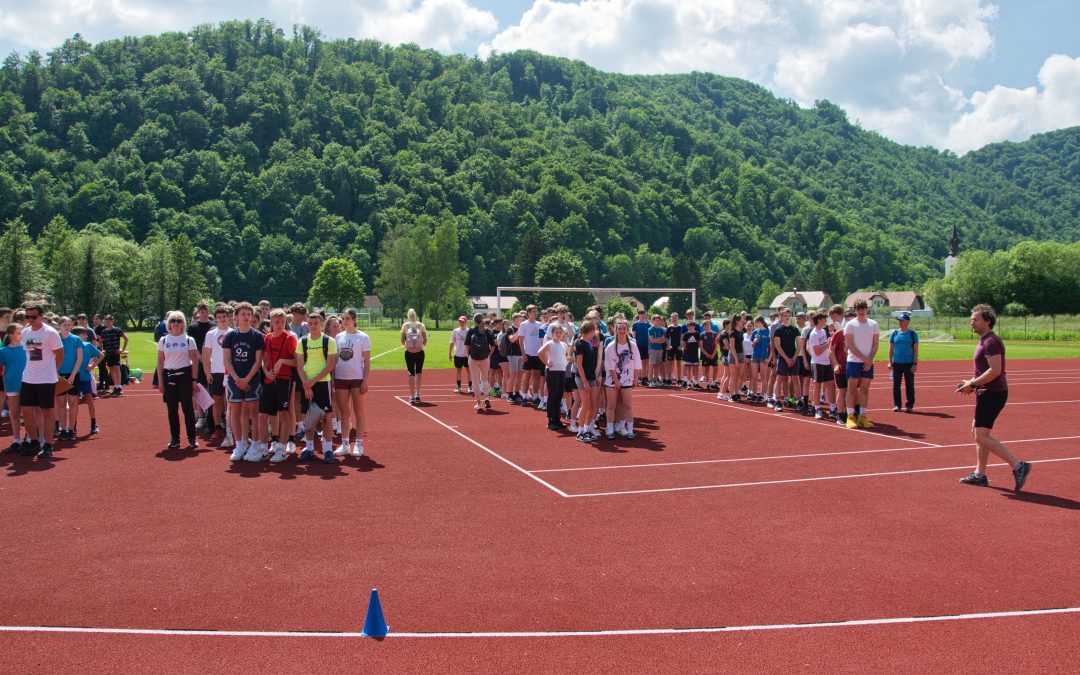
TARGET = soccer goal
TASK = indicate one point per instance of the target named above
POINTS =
(604, 292)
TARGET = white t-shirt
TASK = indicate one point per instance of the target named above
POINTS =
(819, 337)
(214, 337)
(351, 348)
(622, 361)
(556, 353)
(748, 342)
(863, 335)
(41, 345)
(529, 337)
(457, 339)
(176, 348)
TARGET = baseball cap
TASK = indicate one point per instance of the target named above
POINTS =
(800, 315)
(904, 316)
(462, 318)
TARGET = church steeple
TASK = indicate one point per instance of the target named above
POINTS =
(954, 242)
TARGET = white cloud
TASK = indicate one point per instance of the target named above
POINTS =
(446, 25)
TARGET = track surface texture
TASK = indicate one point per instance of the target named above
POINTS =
(522, 548)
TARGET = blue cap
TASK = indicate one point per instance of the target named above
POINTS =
(904, 316)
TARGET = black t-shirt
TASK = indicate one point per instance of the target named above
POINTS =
(690, 344)
(674, 337)
(788, 336)
(515, 347)
(708, 344)
(110, 339)
(588, 353)
(724, 335)
(198, 331)
(738, 336)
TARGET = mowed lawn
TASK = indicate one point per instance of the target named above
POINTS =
(386, 352)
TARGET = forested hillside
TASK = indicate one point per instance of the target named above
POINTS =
(274, 152)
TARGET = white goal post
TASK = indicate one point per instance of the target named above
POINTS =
(615, 291)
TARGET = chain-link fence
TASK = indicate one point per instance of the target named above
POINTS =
(1063, 328)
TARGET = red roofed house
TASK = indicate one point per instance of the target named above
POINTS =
(800, 301)
(883, 302)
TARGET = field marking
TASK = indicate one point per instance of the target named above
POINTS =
(803, 480)
(775, 457)
(817, 423)
(482, 447)
(972, 405)
(180, 632)
(388, 351)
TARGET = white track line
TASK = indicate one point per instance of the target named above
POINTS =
(483, 447)
(802, 480)
(817, 423)
(972, 405)
(388, 351)
(179, 632)
(653, 465)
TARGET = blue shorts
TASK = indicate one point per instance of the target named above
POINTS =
(859, 371)
(236, 395)
(784, 370)
(84, 387)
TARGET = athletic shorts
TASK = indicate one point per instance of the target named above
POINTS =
(988, 405)
(570, 383)
(515, 363)
(857, 371)
(347, 385)
(217, 384)
(726, 359)
(74, 391)
(320, 395)
(461, 361)
(38, 396)
(85, 386)
(709, 363)
(237, 395)
(690, 361)
(533, 363)
(783, 369)
(822, 373)
(805, 369)
(643, 352)
(276, 397)
(585, 383)
(739, 359)
(841, 380)
(656, 357)
(111, 360)
(760, 359)
(414, 362)
(674, 355)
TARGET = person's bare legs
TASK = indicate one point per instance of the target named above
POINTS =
(986, 444)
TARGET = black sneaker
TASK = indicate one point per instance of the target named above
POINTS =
(896, 408)
(117, 392)
(487, 404)
(910, 408)
(555, 426)
(1021, 474)
(95, 429)
(29, 449)
(14, 448)
(976, 479)
(193, 444)
(174, 444)
(46, 451)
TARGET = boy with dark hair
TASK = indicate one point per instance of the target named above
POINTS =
(787, 343)
(674, 351)
(44, 355)
(275, 404)
(820, 362)
(242, 352)
(657, 343)
(640, 329)
(861, 337)
(213, 364)
(113, 342)
(197, 330)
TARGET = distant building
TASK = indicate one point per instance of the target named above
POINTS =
(603, 298)
(488, 303)
(954, 250)
(800, 301)
(883, 302)
(373, 304)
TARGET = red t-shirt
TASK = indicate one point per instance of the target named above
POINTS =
(276, 348)
(839, 348)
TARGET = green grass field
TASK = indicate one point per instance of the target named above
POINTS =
(386, 350)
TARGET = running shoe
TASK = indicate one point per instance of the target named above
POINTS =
(975, 479)
(1021, 474)
(254, 454)
(193, 444)
(610, 435)
(14, 448)
(227, 443)
(630, 435)
(174, 444)
(910, 408)
(30, 449)
(819, 415)
(896, 408)
(777, 407)
(46, 451)
(487, 404)
(864, 422)
(328, 457)
(852, 422)
(358, 448)
(279, 454)
(457, 389)
(200, 423)
(95, 429)
(238, 453)
(584, 437)
(307, 455)
(342, 451)
(841, 418)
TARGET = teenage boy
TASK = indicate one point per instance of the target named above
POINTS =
(861, 337)
(640, 329)
(528, 336)
(991, 391)
(903, 360)
(774, 325)
(275, 411)
(838, 360)
(69, 370)
(91, 356)
(264, 311)
(674, 350)
(299, 325)
(657, 343)
(805, 371)
(242, 352)
(459, 354)
(691, 343)
(200, 326)
(315, 360)
(213, 364)
(820, 362)
(787, 343)
(113, 342)
(512, 386)
(44, 355)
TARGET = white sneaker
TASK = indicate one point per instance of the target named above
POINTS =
(358, 448)
(238, 454)
(290, 448)
(279, 454)
(254, 454)
(342, 451)
(200, 423)
(228, 442)
(573, 427)
(5, 414)
(337, 426)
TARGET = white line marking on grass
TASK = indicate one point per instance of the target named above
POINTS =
(483, 447)
(388, 351)
(802, 480)
(179, 632)
(842, 453)
(818, 423)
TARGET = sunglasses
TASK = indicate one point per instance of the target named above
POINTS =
(176, 321)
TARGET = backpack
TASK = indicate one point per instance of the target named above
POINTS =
(325, 347)
(480, 346)
(504, 344)
(414, 339)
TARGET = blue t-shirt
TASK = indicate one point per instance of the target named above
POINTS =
(243, 347)
(89, 353)
(761, 349)
(72, 344)
(657, 332)
(904, 345)
(14, 361)
(641, 333)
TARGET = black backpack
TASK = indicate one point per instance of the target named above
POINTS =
(325, 347)
(480, 346)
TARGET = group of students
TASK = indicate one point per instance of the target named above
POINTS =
(49, 365)
(259, 366)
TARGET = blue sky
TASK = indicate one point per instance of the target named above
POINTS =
(954, 74)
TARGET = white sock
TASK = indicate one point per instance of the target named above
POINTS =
(610, 428)
(851, 411)
(327, 446)
(309, 444)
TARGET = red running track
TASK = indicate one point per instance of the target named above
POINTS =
(116, 532)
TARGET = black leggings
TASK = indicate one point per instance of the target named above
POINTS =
(903, 371)
(178, 393)
(556, 385)
(414, 361)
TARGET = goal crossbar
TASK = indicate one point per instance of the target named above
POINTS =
(617, 291)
